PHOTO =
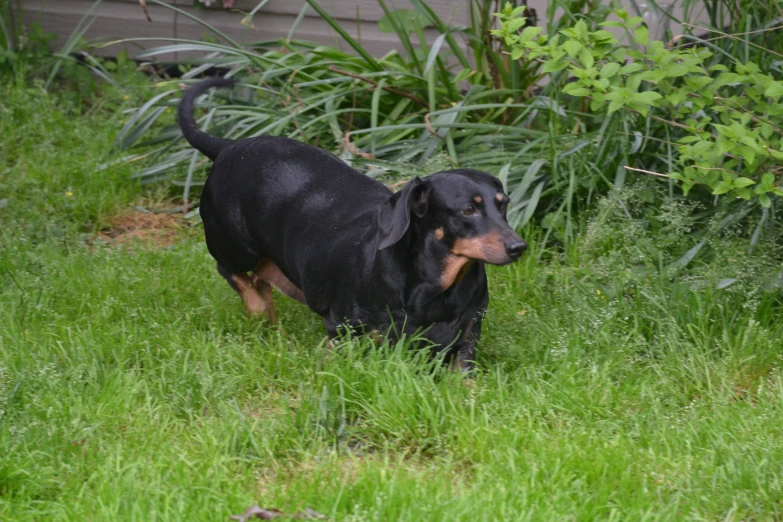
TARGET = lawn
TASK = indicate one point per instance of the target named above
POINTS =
(133, 386)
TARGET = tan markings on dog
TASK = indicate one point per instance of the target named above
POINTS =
(439, 232)
(488, 248)
(461, 274)
(454, 269)
(268, 271)
(478, 199)
(264, 289)
(499, 196)
(255, 303)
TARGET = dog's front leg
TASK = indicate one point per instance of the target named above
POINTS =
(464, 352)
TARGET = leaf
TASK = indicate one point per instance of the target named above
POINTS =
(609, 70)
(647, 97)
(701, 147)
(576, 89)
(528, 33)
(631, 68)
(774, 90)
(572, 47)
(615, 105)
(690, 254)
(581, 28)
(749, 155)
(596, 104)
(641, 35)
(514, 25)
(634, 81)
(725, 283)
(698, 81)
(721, 188)
(676, 70)
(637, 142)
(603, 37)
(750, 142)
(555, 65)
(765, 200)
(434, 51)
(743, 182)
(532, 204)
(586, 57)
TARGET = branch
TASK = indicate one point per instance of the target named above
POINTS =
(143, 4)
(734, 38)
(647, 172)
(752, 116)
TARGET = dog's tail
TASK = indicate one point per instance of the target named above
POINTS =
(209, 145)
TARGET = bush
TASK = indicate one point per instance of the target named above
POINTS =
(721, 121)
(391, 116)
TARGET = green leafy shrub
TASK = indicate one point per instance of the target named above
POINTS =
(722, 121)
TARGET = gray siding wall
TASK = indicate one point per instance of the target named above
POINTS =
(119, 19)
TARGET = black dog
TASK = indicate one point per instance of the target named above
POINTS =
(282, 213)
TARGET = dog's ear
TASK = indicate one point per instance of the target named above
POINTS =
(394, 215)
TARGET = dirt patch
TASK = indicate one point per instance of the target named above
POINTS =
(143, 227)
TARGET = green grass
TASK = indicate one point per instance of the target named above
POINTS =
(133, 387)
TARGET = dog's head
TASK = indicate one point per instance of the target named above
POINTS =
(464, 209)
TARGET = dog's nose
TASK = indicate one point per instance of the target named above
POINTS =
(515, 247)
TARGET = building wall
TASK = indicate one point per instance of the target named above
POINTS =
(122, 19)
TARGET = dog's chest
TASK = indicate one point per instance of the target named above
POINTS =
(458, 304)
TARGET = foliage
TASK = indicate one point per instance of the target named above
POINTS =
(724, 119)
(20, 43)
(393, 115)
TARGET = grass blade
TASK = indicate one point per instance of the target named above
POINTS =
(344, 35)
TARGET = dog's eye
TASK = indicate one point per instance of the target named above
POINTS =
(469, 210)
